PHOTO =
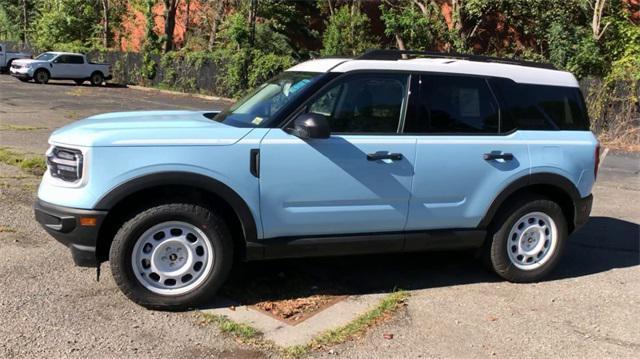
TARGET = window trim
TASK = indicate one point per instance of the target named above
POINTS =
(345, 75)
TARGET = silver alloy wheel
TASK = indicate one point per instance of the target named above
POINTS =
(172, 258)
(532, 240)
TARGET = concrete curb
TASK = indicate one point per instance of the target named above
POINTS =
(178, 93)
(286, 335)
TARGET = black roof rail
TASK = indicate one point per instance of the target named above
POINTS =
(392, 55)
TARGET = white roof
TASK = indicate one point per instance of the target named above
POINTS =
(518, 73)
(62, 53)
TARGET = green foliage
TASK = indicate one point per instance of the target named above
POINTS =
(241, 66)
(71, 25)
(348, 33)
(418, 31)
(152, 45)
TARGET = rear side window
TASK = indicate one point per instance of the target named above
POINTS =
(75, 60)
(541, 107)
(451, 104)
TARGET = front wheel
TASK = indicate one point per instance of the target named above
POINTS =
(526, 240)
(41, 76)
(172, 256)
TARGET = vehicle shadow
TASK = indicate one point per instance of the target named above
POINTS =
(603, 244)
(72, 84)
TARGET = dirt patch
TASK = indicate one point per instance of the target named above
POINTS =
(286, 295)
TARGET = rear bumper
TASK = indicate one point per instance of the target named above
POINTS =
(63, 224)
(582, 211)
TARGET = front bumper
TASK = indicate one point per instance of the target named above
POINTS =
(22, 73)
(582, 211)
(63, 224)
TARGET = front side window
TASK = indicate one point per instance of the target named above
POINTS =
(363, 103)
(258, 108)
(451, 104)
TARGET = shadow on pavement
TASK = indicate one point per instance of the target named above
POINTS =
(72, 84)
(602, 244)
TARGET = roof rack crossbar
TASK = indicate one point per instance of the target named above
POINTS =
(392, 55)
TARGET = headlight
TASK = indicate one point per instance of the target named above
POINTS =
(65, 163)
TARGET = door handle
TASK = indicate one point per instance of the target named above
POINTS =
(384, 156)
(498, 156)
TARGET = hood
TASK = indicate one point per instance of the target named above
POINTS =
(23, 62)
(148, 128)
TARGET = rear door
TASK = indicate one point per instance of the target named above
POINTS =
(463, 158)
(337, 185)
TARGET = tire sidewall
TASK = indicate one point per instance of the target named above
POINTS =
(500, 260)
(126, 238)
(96, 83)
(35, 76)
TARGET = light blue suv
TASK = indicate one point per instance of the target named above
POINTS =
(390, 152)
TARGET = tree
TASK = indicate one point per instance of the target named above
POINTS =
(105, 23)
(170, 9)
(151, 45)
(413, 25)
(348, 32)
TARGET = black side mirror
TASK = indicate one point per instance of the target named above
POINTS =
(311, 125)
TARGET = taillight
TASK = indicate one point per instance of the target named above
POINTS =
(596, 162)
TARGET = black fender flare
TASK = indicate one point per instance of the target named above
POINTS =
(560, 182)
(188, 179)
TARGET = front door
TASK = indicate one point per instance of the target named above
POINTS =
(340, 185)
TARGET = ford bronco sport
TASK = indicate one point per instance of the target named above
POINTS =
(390, 152)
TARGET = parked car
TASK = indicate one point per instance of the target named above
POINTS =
(61, 66)
(7, 57)
(331, 157)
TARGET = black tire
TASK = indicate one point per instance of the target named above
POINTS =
(495, 252)
(120, 255)
(78, 82)
(96, 79)
(41, 76)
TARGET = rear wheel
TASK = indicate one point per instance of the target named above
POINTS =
(172, 256)
(527, 239)
(96, 79)
(41, 76)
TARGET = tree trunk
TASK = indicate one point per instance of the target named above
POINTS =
(170, 8)
(25, 22)
(216, 18)
(596, 20)
(186, 21)
(105, 23)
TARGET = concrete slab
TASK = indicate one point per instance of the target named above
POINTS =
(285, 334)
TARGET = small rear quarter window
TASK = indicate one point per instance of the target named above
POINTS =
(541, 107)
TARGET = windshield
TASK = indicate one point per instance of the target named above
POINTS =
(46, 56)
(262, 104)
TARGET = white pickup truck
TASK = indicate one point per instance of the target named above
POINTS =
(7, 57)
(61, 66)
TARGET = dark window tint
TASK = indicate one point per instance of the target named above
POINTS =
(75, 60)
(370, 103)
(451, 104)
(540, 107)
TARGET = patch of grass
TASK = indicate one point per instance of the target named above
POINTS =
(382, 311)
(249, 335)
(11, 127)
(228, 326)
(28, 163)
(5, 229)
